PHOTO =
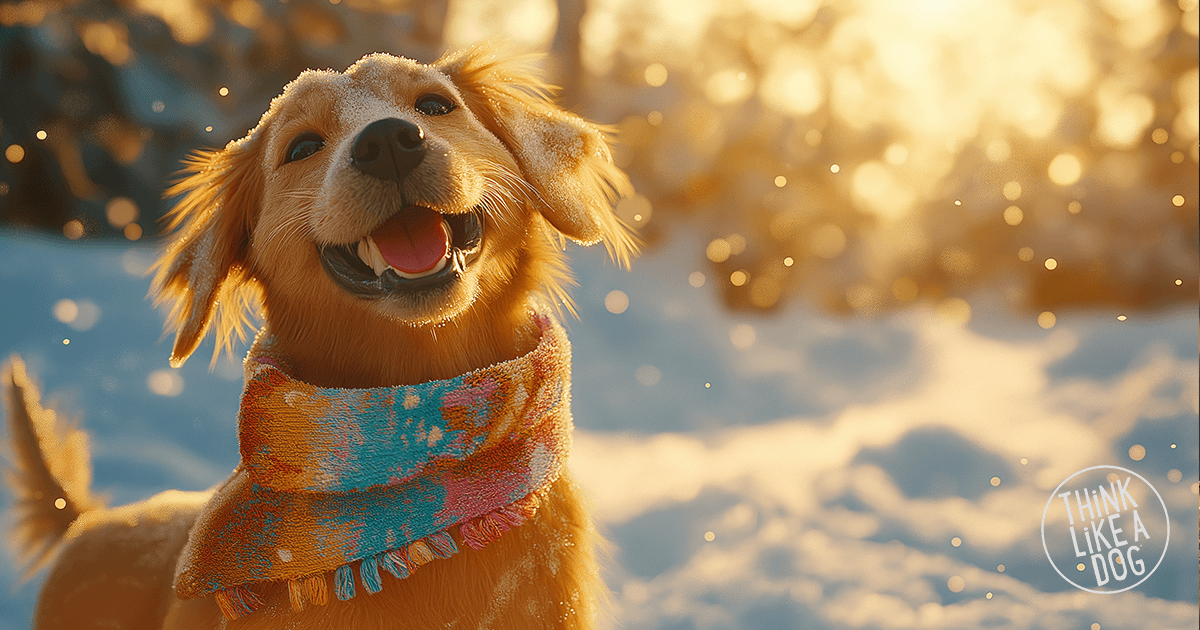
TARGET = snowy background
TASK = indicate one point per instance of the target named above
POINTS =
(791, 471)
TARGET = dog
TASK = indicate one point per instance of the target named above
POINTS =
(393, 225)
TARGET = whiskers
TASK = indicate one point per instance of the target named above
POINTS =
(505, 192)
(297, 221)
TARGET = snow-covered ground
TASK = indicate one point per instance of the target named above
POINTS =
(797, 471)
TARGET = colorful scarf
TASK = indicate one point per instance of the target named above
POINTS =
(330, 477)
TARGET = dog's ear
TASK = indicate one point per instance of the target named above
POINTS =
(203, 274)
(564, 157)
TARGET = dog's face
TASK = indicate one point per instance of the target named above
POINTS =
(397, 192)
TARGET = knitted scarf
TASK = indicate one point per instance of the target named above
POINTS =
(330, 477)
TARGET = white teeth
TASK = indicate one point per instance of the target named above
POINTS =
(413, 276)
(368, 252)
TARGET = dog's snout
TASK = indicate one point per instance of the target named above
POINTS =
(388, 149)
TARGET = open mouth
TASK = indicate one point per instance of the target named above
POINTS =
(416, 250)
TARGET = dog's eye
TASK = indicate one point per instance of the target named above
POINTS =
(434, 105)
(303, 146)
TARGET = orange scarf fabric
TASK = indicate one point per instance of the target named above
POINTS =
(330, 477)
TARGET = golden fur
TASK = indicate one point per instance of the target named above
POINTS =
(248, 231)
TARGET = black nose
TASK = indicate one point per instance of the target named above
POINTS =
(388, 149)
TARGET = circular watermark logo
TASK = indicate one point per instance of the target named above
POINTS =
(1103, 528)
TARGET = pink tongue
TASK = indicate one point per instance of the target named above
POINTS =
(413, 241)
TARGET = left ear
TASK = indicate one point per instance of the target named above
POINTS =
(565, 158)
(204, 274)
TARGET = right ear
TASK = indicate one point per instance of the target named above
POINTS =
(202, 274)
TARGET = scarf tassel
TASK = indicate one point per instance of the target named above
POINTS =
(236, 602)
(309, 590)
(480, 531)
(239, 601)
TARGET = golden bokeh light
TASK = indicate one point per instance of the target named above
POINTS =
(120, 211)
(1174, 475)
(1137, 452)
(1025, 254)
(648, 375)
(995, 481)
(827, 241)
(1046, 320)
(1051, 264)
(696, 279)
(165, 382)
(73, 229)
(246, 13)
(956, 541)
(41, 134)
(998, 150)
(954, 310)
(14, 153)
(133, 231)
(1177, 201)
(616, 302)
(739, 278)
(1013, 215)
(65, 311)
(1012, 191)
(718, 250)
(1065, 169)
(107, 39)
(655, 74)
(956, 584)
(742, 336)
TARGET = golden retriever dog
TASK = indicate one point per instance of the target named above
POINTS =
(393, 225)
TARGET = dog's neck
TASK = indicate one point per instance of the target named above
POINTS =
(372, 351)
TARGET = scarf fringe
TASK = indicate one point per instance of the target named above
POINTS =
(478, 532)
(236, 602)
(240, 601)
